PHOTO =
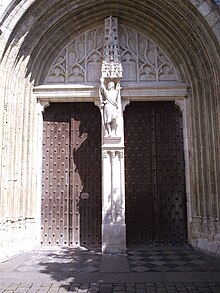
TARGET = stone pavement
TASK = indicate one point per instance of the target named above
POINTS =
(158, 270)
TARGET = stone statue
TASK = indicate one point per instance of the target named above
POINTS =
(110, 97)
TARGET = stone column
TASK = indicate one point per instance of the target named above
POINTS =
(113, 182)
(113, 192)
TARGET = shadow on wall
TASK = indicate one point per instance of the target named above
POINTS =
(86, 153)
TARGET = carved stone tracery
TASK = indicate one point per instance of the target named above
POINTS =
(142, 60)
(80, 61)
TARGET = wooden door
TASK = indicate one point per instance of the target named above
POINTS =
(71, 175)
(155, 174)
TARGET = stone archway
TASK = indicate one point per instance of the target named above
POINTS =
(148, 74)
(34, 33)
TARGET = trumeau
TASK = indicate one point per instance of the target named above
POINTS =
(142, 60)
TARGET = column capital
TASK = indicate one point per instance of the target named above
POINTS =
(42, 105)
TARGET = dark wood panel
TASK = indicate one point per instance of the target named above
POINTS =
(55, 179)
(155, 180)
(71, 175)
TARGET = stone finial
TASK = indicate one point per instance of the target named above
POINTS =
(111, 65)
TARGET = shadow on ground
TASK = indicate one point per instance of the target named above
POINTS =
(74, 266)
(60, 263)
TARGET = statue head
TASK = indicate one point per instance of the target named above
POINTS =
(111, 85)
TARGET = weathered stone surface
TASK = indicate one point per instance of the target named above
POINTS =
(202, 243)
(217, 237)
(114, 238)
(216, 29)
(205, 8)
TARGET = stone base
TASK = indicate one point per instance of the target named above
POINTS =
(114, 239)
(17, 237)
(206, 245)
(205, 234)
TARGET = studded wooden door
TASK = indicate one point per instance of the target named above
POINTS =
(71, 175)
(155, 175)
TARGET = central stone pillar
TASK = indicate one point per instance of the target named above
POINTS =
(113, 182)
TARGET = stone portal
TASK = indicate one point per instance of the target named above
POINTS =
(109, 57)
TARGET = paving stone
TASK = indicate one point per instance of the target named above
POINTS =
(106, 288)
(151, 290)
(119, 287)
(13, 286)
(140, 290)
(130, 289)
(60, 290)
(84, 286)
(160, 285)
(73, 290)
(116, 288)
(33, 290)
(93, 290)
(149, 284)
(204, 290)
(140, 285)
(74, 285)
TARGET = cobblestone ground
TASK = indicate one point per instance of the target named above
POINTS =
(111, 288)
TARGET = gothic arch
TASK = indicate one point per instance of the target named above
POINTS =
(33, 34)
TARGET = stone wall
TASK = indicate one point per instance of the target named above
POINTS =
(19, 141)
(211, 13)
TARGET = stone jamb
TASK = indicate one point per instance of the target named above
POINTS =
(183, 105)
(41, 106)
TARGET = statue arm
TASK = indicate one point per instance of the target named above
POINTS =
(118, 89)
(102, 92)
(102, 86)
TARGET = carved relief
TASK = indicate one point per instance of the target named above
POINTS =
(141, 59)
